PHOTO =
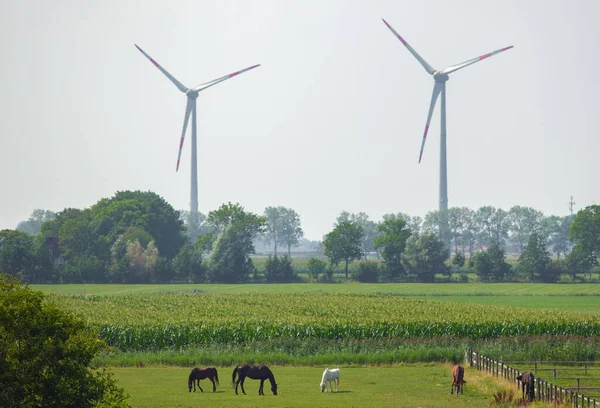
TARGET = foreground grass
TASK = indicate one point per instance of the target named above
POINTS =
(420, 385)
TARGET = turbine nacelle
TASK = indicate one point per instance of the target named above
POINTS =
(440, 76)
(191, 93)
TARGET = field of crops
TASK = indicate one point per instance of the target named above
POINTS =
(182, 319)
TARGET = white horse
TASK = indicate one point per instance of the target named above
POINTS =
(328, 377)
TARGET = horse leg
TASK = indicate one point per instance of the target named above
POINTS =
(213, 381)
(260, 389)
(242, 384)
(201, 390)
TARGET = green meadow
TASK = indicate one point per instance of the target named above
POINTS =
(416, 385)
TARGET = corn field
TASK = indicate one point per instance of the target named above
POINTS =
(178, 320)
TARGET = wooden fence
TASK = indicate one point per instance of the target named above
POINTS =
(543, 390)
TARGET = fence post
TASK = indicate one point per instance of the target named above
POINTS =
(554, 370)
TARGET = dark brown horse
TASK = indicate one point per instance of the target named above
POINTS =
(258, 372)
(458, 379)
(198, 374)
(527, 380)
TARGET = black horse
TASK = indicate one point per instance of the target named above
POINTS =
(527, 380)
(198, 374)
(259, 372)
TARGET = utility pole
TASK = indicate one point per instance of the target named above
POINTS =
(571, 204)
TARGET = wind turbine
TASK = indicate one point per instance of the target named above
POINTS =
(192, 94)
(439, 88)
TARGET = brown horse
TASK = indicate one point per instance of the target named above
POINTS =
(198, 374)
(259, 372)
(458, 375)
(527, 380)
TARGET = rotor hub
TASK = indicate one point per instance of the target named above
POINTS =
(440, 76)
(192, 94)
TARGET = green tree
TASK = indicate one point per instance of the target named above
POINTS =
(369, 229)
(34, 224)
(17, 254)
(343, 243)
(316, 268)
(391, 241)
(279, 269)
(424, 256)
(585, 230)
(230, 258)
(459, 260)
(491, 265)
(524, 221)
(367, 272)
(291, 233)
(45, 355)
(579, 262)
(273, 226)
(535, 262)
(188, 266)
(143, 209)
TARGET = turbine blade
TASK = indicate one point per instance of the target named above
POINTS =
(437, 88)
(427, 67)
(188, 110)
(164, 71)
(208, 84)
(456, 67)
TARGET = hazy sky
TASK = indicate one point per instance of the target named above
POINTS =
(331, 121)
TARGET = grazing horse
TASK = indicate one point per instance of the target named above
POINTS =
(328, 377)
(527, 384)
(258, 372)
(458, 375)
(198, 374)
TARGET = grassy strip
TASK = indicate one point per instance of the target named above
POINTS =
(347, 352)
(403, 289)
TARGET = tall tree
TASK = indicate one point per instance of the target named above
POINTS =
(524, 221)
(556, 231)
(490, 265)
(424, 256)
(369, 229)
(392, 241)
(343, 243)
(535, 261)
(432, 222)
(586, 230)
(291, 232)
(273, 225)
(17, 254)
(34, 224)
(456, 223)
(230, 260)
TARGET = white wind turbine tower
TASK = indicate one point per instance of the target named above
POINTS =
(440, 78)
(192, 94)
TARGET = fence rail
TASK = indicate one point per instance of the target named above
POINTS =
(543, 390)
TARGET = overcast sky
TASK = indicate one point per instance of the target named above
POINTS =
(332, 120)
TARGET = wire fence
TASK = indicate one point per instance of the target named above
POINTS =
(543, 389)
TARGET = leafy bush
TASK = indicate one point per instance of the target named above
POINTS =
(316, 268)
(459, 260)
(46, 354)
(367, 272)
(279, 269)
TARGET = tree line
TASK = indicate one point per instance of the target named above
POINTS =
(137, 237)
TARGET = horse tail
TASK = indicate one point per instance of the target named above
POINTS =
(233, 376)
(337, 381)
(217, 376)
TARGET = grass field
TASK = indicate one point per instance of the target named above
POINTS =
(419, 385)
(408, 289)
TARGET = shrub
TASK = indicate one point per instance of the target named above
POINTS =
(367, 272)
(316, 268)
(46, 354)
(279, 269)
